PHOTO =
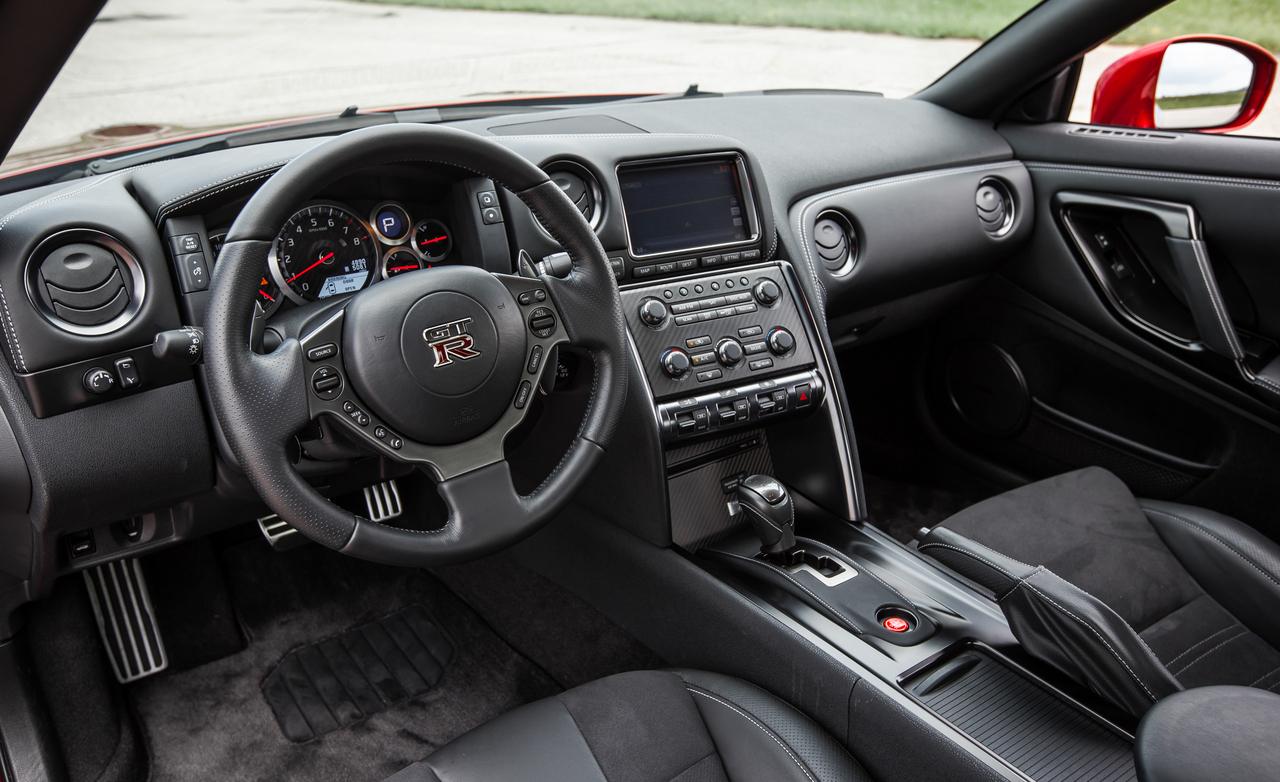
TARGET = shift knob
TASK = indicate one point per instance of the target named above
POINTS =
(766, 504)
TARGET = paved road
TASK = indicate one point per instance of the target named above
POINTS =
(200, 63)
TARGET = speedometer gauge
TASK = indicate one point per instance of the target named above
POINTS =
(323, 250)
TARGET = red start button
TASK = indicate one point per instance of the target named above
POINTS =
(895, 624)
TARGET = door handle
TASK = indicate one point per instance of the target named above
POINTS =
(1190, 255)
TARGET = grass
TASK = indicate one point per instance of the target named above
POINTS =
(1256, 20)
(1204, 100)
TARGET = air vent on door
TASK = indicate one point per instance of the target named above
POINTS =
(995, 206)
(835, 242)
(85, 282)
(581, 187)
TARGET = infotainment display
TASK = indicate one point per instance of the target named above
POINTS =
(684, 205)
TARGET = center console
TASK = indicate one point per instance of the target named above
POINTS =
(762, 487)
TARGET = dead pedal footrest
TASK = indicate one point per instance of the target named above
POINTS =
(126, 620)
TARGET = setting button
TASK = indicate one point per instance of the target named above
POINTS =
(709, 374)
(99, 381)
(750, 331)
(326, 382)
(697, 342)
(542, 322)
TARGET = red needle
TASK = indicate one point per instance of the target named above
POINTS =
(403, 268)
(267, 296)
(432, 240)
(323, 258)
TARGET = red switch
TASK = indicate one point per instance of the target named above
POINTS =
(895, 624)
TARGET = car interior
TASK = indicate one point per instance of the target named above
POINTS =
(787, 435)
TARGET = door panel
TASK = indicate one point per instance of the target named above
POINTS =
(1131, 329)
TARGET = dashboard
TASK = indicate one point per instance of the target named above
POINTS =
(723, 220)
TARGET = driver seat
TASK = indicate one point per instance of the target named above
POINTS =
(645, 726)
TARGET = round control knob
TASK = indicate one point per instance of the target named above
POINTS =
(781, 342)
(729, 351)
(767, 292)
(675, 362)
(98, 381)
(653, 312)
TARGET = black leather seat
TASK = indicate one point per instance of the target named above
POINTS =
(1136, 598)
(645, 726)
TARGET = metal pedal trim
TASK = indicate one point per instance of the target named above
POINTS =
(126, 620)
(278, 532)
(382, 501)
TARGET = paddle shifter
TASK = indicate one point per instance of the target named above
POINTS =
(766, 504)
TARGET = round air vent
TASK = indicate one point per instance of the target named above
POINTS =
(835, 242)
(85, 282)
(581, 187)
(995, 207)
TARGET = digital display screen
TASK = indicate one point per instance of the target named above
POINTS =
(684, 206)
(343, 283)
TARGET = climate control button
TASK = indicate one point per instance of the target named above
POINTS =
(653, 312)
(675, 362)
(781, 342)
(730, 352)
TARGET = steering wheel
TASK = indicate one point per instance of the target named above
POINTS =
(433, 369)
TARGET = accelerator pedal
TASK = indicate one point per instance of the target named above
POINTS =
(126, 620)
(382, 501)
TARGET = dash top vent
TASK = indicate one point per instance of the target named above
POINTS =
(85, 282)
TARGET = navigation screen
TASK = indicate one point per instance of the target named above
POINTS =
(683, 206)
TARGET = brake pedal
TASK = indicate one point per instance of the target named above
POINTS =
(382, 501)
(126, 620)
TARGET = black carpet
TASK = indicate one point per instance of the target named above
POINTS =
(901, 508)
(214, 722)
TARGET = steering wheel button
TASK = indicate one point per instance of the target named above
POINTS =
(321, 352)
(522, 394)
(359, 416)
(542, 322)
(326, 382)
(526, 298)
(395, 442)
(535, 360)
(348, 407)
(380, 432)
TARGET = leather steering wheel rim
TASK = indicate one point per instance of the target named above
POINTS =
(261, 400)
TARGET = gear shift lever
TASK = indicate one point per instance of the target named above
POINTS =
(766, 504)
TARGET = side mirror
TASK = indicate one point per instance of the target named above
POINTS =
(1210, 83)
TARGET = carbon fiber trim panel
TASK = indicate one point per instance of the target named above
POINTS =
(699, 506)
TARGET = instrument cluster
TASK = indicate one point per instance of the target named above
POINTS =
(327, 248)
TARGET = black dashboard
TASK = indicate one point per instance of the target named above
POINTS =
(745, 243)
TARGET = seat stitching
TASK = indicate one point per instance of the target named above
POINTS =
(755, 722)
(1202, 642)
(1227, 545)
(1094, 630)
(1243, 631)
(969, 554)
(1264, 677)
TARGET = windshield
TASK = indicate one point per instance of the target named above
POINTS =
(153, 69)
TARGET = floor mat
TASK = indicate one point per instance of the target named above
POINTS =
(213, 721)
(340, 681)
(901, 508)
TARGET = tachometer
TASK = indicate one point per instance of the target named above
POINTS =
(323, 250)
(432, 240)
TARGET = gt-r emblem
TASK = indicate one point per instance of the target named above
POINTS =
(451, 342)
